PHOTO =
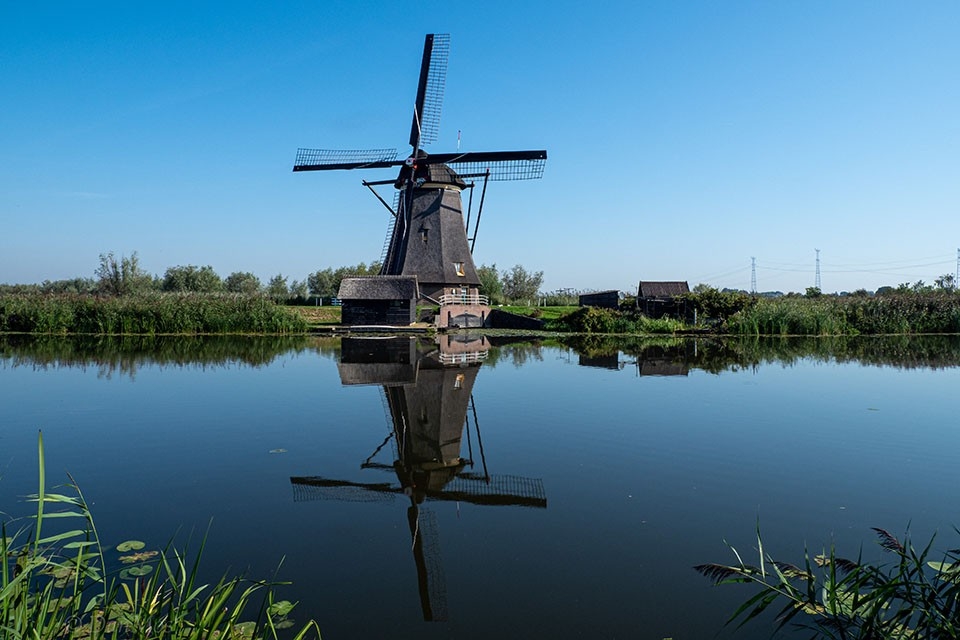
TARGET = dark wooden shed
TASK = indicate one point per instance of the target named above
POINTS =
(379, 300)
(606, 299)
(656, 299)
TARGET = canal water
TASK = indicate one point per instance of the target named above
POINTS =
(477, 487)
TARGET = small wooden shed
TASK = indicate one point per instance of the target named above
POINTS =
(379, 300)
(606, 299)
(656, 299)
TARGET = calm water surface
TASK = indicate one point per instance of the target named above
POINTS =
(544, 491)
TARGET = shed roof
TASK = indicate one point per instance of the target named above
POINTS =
(602, 293)
(662, 289)
(378, 288)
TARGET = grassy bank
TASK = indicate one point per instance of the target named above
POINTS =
(319, 316)
(146, 314)
(735, 313)
(719, 312)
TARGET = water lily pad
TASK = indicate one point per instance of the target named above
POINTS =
(136, 572)
(280, 608)
(278, 450)
(130, 545)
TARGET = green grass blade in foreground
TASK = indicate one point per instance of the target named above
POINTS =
(58, 590)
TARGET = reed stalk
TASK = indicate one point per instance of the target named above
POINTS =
(59, 586)
(915, 596)
(146, 314)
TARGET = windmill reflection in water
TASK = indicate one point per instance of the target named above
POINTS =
(427, 391)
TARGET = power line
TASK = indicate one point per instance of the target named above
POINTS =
(719, 275)
(887, 263)
(877, 271)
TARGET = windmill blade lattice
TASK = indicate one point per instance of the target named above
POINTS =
(502, 170)
(433, 80)
(332, 159)
(317, 488)
(428, 206)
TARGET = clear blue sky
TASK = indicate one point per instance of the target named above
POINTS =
(683, 137)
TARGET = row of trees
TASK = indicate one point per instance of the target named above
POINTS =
(123, 275)
(513, 285)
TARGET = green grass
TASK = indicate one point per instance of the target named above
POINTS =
(319, 316)
(146, 314)
(544, 313)
(59, 582)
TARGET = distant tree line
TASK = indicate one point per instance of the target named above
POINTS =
(123, 275)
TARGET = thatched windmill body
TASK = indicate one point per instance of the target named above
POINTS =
(428, 235)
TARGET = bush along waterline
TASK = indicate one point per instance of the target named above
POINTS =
(58, 585)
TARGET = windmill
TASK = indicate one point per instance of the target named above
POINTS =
(428, 235)
(428, 398)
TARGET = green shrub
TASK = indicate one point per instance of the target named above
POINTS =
(659, 325)
(589, 320)
(599, 320)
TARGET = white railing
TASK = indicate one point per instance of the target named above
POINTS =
(465, 298)
(463, 358)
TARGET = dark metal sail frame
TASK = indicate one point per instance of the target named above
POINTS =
(424, 130)
(503, 165)
(491, 165)
(433, 78)
(476, 488)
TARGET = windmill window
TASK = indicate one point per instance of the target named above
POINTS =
(459, 267)
(458, 381)
(423, 235)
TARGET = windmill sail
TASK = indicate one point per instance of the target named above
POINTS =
(333, 159)
(433, 78)
(427, 238)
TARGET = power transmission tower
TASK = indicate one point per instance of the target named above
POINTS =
(817, 279)
(753, 273)
(956, 280)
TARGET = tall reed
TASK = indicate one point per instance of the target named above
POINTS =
(59, 586)
(146, 314)
(915, 596)
(849, 315)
